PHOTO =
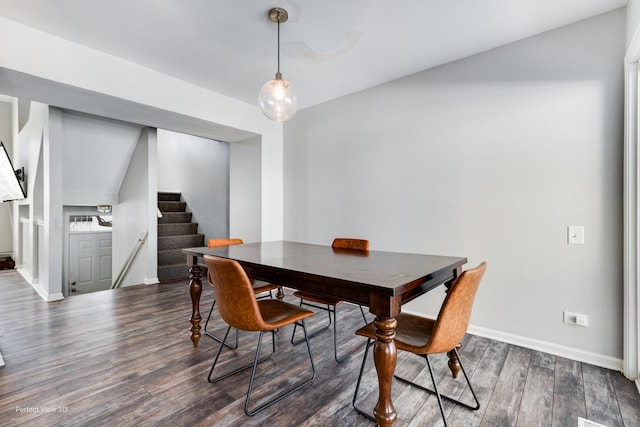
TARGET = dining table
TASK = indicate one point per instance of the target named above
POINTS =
(381, 280)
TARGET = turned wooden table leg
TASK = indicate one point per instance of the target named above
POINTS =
(195, 289)
(454, 365)
(280, 294)
(384, 356)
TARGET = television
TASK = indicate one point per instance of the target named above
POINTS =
(10, 188)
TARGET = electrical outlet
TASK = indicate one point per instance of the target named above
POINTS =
(575, 318)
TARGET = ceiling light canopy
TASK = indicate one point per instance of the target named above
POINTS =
(278, 99)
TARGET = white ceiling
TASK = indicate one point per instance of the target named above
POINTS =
(330, 48)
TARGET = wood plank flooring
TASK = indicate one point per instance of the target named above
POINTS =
(124, 358)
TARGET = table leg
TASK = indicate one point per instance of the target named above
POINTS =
(280, 294)
(195, 289)
(384, 356)
(454, 365)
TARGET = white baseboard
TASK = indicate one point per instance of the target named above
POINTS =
(596, 359)
(36, 287)
(25, 275)
(151, 281)
(591, 358)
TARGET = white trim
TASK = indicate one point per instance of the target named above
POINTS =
(631, 239)
(591, 358)
(152, 281)
(1, 360)
(25, 275)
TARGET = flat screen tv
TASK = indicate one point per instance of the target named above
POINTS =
(10, 188)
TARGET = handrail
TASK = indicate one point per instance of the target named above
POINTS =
(141, 238)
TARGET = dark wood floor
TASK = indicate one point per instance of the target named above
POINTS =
(124, 358)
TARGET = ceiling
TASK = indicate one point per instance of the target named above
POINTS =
(329, 48)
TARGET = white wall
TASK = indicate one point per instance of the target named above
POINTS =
(490, 157)
(96, 155)
(245, 190)
(633, 17)
(199, 169)
(135, 214)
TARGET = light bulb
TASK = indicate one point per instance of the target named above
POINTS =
(278, 100)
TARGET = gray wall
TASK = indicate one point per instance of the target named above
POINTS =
(199, 169)
(490, 157)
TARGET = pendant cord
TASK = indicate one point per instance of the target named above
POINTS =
(278, 43)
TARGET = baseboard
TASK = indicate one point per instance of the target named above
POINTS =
(35, 285)
(1, 360)
(151, 281)
(595, 359)
(591, 358)
(25, 275)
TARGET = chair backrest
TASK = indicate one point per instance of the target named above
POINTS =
(235, 297)
(453, 319)
(224, 242)
(347, 243)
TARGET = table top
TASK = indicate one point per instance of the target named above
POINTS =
(336, 271)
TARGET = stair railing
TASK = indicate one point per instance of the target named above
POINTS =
(141, 238)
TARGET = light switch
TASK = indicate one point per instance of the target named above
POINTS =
(575, 235)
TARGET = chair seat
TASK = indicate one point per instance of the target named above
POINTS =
(259, 286)
(412, 332)
(277, 314)
(319, 299)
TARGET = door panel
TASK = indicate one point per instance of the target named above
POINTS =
(89, 262)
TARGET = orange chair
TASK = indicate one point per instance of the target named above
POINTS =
(240, 309)
(330, 303)
(259, 288)
(422, 336)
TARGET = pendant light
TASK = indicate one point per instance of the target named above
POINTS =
(278, 99)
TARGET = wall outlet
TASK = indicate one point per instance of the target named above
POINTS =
(575, 318)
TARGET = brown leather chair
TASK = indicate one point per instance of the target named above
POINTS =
(423, 336)
(240, 309)
(329, 303)
(259, 288)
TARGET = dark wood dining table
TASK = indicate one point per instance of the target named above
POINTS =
(382, 281)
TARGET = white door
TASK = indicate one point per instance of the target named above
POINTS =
(89, 262)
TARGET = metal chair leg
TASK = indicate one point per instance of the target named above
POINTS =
(281, 396)
(363, 316)
(329, 311)
(355, 394)
(210, 334)
(242, 368)
(442, 396)
(437, 393)
(317, 331)
(450, 399)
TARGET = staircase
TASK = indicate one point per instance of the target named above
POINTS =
(175, 232)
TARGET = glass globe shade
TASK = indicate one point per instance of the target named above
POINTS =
(278, 100)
